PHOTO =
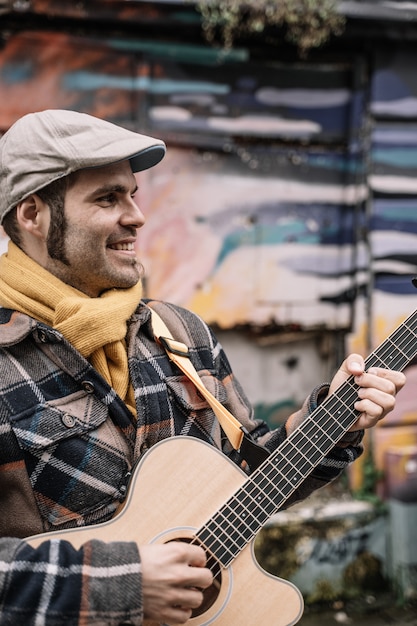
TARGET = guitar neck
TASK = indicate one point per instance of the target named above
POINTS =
(272, 484)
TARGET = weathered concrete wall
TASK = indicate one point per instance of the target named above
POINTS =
(278, 372)
(329, 551)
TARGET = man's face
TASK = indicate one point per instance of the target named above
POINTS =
(97, 250)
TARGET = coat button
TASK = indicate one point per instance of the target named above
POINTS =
(68, 420)
(43, 338)
(87, 386)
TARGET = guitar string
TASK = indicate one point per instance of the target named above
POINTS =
(259, 492)
(348, 392)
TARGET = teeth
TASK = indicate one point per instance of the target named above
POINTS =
(123, 246)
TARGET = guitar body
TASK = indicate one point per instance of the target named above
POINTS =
(177, 486)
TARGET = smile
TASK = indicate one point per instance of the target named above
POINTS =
(123, 246)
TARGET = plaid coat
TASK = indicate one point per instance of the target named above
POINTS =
(68, 443)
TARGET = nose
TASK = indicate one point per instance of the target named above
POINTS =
(132, 215)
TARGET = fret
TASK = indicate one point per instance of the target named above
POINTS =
(262, 494)
(266, 481)
(229, 531)
(276, 490)
(214, 537)
(232, 526)
(289, 475)
(243, 511)
(310, 442)
(270, 486)
(398, 349)
(246, 521)
(405, 352)
(236, 524)
(265, 491)
(258, 497)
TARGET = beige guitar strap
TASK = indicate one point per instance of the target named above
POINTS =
(178, 353)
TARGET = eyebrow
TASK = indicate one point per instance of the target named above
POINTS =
(105, 189)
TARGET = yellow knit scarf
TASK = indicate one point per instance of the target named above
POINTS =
(96, 327)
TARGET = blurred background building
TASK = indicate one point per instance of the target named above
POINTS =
(285, 211)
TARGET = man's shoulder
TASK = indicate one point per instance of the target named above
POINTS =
(169, 309)
(184, 325)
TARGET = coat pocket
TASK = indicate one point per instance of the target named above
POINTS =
(198, 418)
(74, 457)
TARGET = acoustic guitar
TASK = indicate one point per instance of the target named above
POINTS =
(184, 489)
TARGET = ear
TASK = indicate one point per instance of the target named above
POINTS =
(33, 217)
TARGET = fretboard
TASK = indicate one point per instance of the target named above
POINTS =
(270, 486)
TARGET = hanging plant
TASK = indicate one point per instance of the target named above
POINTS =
(308, 23)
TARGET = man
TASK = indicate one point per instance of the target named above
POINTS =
(86, 390)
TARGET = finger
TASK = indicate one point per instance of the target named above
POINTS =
(182, 552)
(189, 598)
(371, 412)
(397, 378)
(352, 365)
(196, 574)
(375, 410)
(183, 603)
(369, 381)
(196, 556)
(364, 422)
(176, 615)
(177, 605)
(383, 397)
(199, 577)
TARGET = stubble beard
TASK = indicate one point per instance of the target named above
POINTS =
(57, 251)
(55, 241)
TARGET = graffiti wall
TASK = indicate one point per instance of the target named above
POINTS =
(287, 199)
(260, 188)
(393, 239)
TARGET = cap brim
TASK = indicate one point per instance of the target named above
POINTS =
(147, 158)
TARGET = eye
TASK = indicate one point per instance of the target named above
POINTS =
(107, 200)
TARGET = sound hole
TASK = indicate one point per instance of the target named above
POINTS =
(210, 594)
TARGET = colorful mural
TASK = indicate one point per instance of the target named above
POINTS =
(288, 196)
(250, 240)
(393, 238)
(261, 205)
